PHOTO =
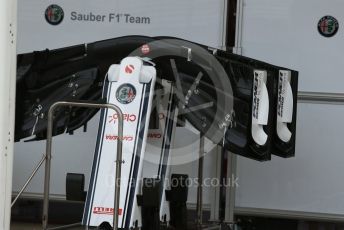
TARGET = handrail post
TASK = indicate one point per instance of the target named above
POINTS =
(48, 155)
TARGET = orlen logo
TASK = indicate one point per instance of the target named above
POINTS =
(105, 211)
(129, 69)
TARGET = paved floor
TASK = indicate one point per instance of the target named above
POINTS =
(25, 226)
(28, 226)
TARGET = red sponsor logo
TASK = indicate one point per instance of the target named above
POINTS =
(126, 117)
(154, 135)
(129, 69)
(115, 138)
(145, 49)
(106, 211)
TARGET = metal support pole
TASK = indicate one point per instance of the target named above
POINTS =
(225, 25)
(200, 182)
(216, 191)
(48, 155)
(118, 169)
(29, 180)
(230, 189)
(238, 30)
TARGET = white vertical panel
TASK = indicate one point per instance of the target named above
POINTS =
(7, 105)
(285, 32)
(312, 181)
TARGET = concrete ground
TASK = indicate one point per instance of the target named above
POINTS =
(30, 226)
(25, 226)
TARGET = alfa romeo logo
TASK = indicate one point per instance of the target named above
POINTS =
(328, 26)
(54, 14)
(126, 93)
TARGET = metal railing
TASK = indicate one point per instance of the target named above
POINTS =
(320, 98)
(47, 159)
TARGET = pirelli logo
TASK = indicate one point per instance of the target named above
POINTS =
(105, 211)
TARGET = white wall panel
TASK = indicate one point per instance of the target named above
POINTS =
(196, 20)
(310, 182)
(285, 32)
